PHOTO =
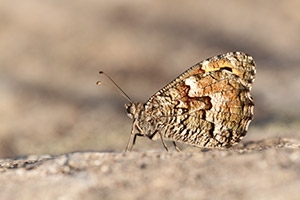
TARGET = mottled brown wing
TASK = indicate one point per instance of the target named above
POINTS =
(209, 104)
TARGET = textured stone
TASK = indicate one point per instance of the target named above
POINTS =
(267, 169)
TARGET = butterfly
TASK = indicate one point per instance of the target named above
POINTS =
(208, 105)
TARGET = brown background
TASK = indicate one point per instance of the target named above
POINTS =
(51, 52)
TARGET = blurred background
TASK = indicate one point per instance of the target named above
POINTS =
(51, 52)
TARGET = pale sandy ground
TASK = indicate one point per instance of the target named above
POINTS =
(267, 169)
(50, 55)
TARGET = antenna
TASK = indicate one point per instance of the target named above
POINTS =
(117, 86)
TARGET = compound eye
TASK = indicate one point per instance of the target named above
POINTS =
(128, 108)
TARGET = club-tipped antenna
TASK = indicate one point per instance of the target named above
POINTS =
(117, 86)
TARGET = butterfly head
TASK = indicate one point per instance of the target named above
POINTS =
(134, 110)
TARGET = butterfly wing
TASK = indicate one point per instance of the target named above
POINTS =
(208, 105)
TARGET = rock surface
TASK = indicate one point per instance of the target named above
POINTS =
(267, 169)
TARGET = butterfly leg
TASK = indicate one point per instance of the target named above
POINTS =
(132, 135)
(162, 140)
(133, 142)
(176, 147)
(134, 139)
(135, 135)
